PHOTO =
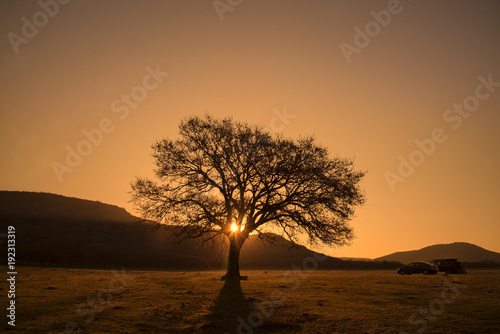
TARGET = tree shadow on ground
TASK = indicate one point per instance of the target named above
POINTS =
(230, 308)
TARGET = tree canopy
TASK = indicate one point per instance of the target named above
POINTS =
(226, 177)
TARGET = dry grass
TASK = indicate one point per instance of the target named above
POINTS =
(56, 300)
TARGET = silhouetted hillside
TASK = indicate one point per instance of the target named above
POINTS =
(62, 231)
(24, 205)
(464, 251)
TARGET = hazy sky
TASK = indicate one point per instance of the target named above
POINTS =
(367, 78)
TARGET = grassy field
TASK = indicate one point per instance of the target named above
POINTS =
(272, 301)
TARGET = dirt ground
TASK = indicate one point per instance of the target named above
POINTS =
(50, 300)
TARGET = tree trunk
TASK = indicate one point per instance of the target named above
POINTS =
(236, 240)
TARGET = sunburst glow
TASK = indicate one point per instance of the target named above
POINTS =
(234, 227)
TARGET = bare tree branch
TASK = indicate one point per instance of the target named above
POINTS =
(221, 172)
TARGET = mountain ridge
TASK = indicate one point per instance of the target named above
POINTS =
(66, 231)
(59, 230)
(465, 251)
(47, 205)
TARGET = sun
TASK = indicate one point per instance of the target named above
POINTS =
(234, 227)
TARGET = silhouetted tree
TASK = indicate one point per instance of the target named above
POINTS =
(222, 177)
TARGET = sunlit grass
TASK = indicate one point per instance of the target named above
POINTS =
(312, 302)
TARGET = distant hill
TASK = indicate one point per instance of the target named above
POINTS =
(356, 258)
(464, 251)
(24, 205)
(55, 230)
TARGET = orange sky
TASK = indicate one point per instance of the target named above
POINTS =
(104, 64)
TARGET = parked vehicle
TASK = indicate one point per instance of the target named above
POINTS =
(450, 266)
(425, 268)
